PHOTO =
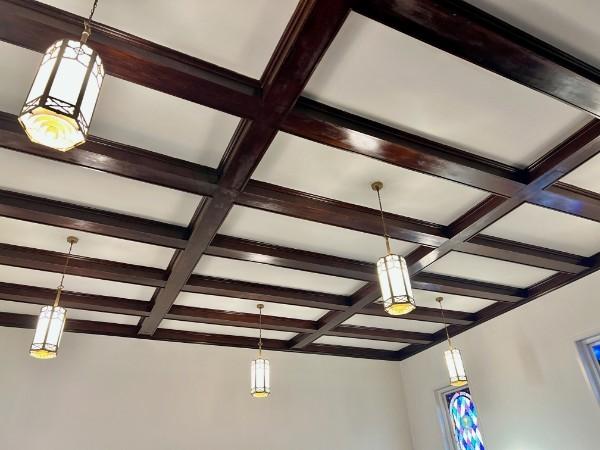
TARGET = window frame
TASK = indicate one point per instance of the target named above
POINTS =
(444, 417)
(589, 363)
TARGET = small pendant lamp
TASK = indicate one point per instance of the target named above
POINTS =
(62, 99)
(454, 363)
(51, 321)
(260, 374)
(392, 272)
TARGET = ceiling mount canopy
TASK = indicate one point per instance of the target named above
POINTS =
(392, 272)
(59, 108)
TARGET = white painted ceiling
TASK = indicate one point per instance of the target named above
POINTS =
(489, 270)
(370, 70)
(239, 36)
(301, 234)
(561, 231)
(572, 25)
(374, 71)
(345, 176)
(279, 276)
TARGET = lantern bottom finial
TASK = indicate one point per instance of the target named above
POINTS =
(42, 354)
(458, 383)
(46, 127)
(399, 309)
(260, 394)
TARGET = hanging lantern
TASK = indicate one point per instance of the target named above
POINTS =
(392, 272)
(62, 99)
(454, 363)
(260, 375)
(51, 321)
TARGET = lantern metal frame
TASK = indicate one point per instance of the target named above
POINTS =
(453, 358)
(45, 103)
(51, 318)
(260, 367)
(389, 266)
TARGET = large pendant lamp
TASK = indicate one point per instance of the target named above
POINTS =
(62, 99)
(51, 321)
(394, 281)
(260, 374)
(454, 363)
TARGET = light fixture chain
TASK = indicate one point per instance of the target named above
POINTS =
(87, 29)
(385, 233)
(93, 10)
(445, 324)
(260, 332)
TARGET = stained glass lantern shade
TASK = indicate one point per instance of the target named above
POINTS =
(465, 422)
(260, 378)
(48, 332)
(456, 369)
(62, 99)
(394, 281)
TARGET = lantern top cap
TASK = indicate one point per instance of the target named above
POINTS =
(377, 185)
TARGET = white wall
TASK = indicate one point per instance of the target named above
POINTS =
(524, 374)
(105, 393)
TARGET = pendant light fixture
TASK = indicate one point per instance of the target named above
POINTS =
(260, 375)
(62, 99)
(456, 369)
(393, 274)
(51, 321)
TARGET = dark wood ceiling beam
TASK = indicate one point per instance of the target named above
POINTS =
(117, 159)
(43, 296)
(35, 26)
(77, 217)
(479, 38)
(281, 200)
(459, 286)
(200, 284)
(569, 199)
(306, 38)
(130, 331)
(45, 260)
(423, 313)
(378, 334)
(342, 130)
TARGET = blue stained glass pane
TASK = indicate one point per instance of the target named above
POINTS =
(596, 350)
(465, 421)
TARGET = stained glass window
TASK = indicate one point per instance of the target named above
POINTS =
(465, 422)
(596, 350)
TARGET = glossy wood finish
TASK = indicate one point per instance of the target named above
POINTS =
(475, 36)
(35, 26)
(306, 38)
(273, 104)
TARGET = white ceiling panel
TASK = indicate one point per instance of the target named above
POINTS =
(489, 270)
(422, 90)
(393, 323)
(72, 283)
(570, 25)
(278, 276)
(65, 182)
(97, 316)
(248, 306)
(451, 302)
(221, 329)
(586, 175)
(30, 234)
(131, 114)
(561, 231)
(366, 343)
(138, 116)
(18, 66)
(257, 225)
(238, 35)
(312, 167)
(80, 314)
